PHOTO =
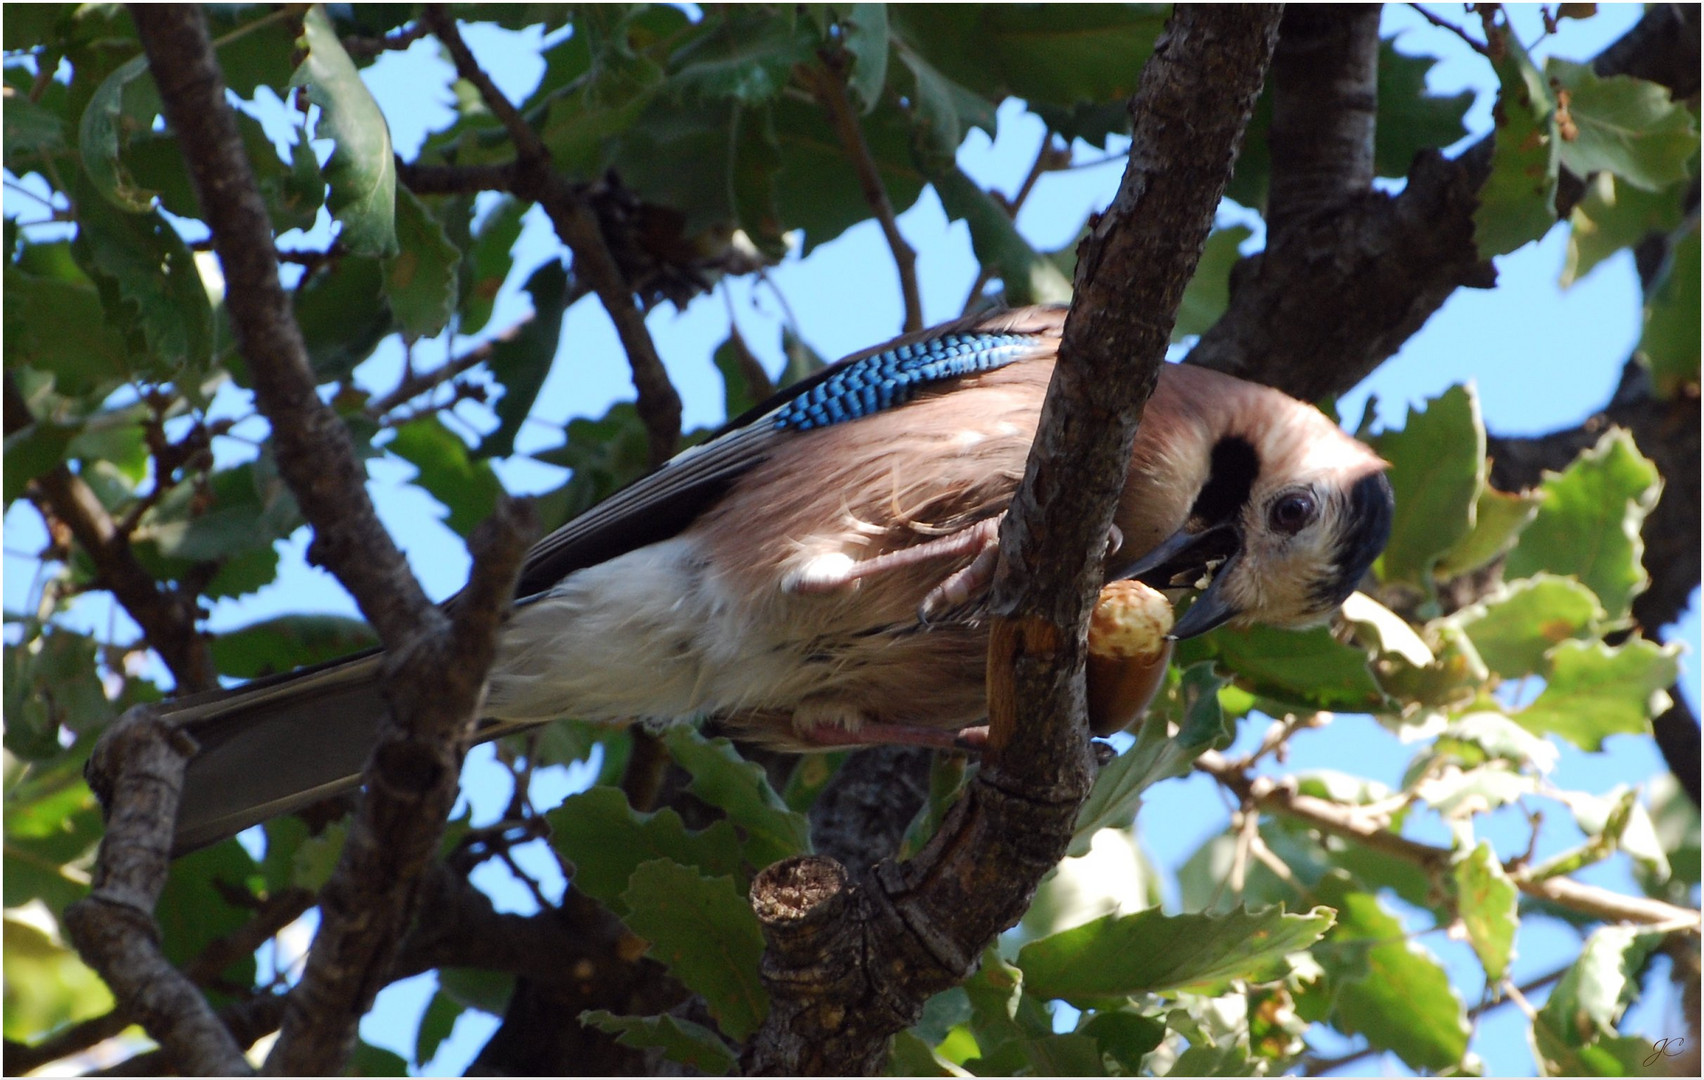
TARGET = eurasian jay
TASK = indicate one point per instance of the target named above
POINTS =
(811, 576)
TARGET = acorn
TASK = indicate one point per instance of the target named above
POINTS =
(1128, 653)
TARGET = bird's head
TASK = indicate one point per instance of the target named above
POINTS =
(1292, 514)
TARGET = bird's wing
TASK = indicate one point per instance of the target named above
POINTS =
(662, 503)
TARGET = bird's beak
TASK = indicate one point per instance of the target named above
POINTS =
(1209, 610)
(1191, 551)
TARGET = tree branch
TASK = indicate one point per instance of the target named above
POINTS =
(435, 662)
(828, 84)
(314, 451)
(852, 960)
(1329, 300)
(167, 616)
(137, 768)
(1340, 820)
(577, 226)
(1325, 103)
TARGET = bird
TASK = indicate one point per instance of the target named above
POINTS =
(813, 575)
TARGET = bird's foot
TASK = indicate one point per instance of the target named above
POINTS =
(836, 572)
(965, 585)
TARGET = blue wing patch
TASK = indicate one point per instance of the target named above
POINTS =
(890, 378)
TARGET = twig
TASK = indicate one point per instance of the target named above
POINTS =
(455, 179)
(167, 616)
(21, 1059)
(395, 41)
(1445, 24)
(413, 384)
(274, 914)
(1352, 824)
(528, 147)
(828, 85)
(1047, 159)
(577, 226)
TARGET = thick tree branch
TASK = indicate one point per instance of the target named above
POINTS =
(314, 451)
(436, 662)
(167, 616)
(827, 83)
(1331, 299)
(137, 767)
(852, 960)
(1344, 821)
(411, 784)
(1325, 103)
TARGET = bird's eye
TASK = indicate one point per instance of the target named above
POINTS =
(1292, 513)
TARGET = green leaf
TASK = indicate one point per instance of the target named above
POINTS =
(150, 289)
(1209, 291)
(1437, 471)
(1669, 345)
(1047, 54)
(745, 56)
(1624, 125)
(1517, 202)
(1126, 1037)
(1150, 952)
(1594, 691)
(1487, 901)
(1611, 216)
(32, 131)
(681, 1041)
(488, 261)
(370, 1060)
(288, 641)
(606, 839)
(467, 487)
(1156, 755)
(522, 363)
(124, 105)
(478, 988)
(740, 789)
(1588, 1001)
(1619, 819)
(1498, 518)
(864, 33)
(745, 382)
(1514, 629)
(58, 327)
(420, 279)
(32, 450)
(1388, 988)
(362, 167)
(243, 509)
(705, 933)
(1412, 119)
(1305, 669)
(193, 912)
(1029, 277)
(47, 985)
(436, 1023)
(816, 190)
(1588, 524)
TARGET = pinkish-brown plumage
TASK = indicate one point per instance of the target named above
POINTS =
(773, 578)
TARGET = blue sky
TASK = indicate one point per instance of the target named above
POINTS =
(1541, 358)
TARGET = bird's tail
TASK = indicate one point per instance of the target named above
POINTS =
(274, 745)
